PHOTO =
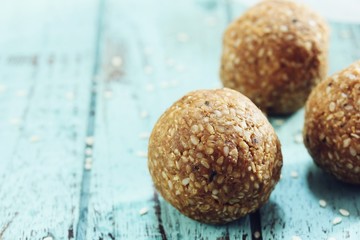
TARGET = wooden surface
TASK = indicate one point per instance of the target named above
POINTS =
(81, 85)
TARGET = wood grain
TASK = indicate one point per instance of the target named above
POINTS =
(45, 71)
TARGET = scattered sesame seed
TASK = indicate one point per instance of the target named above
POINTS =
(336, 220)
(185, 181)
(344, 212)
(322, 203)
(48, 238)
(143, 211)
(89, 140)
(70, 96)
(21, 93)
(257, 234)
(148, 51)
(2, 88)
(180, 68)
(170, 62)
(141, 154)
(88, 163)
(182, 37)
(108, 94)
(144, 135)
(298, 138)
(210, 21)
(15, 121)
(278, 122)
(116, 61)
(34, 138)
(88, 151)
(294, 174)
(144, 114)
(295, 238)
(150, 87)
(148, 70)
(331, 238)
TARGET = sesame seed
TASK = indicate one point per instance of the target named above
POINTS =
(144, 135)
(108, 94)
(143, 211)
(295, 238)
(322, 203)
(89, 140)
(144, 114)
(205, 163)
(34, 138)
(346, 142)
(283, 28)
(141, 154)
(88, 163)
(148, 70)
(278, 122)
(226, 150)
(150, 87)
(344, 212)
(194, 140)
(354, 135)
(257, 234)
(331, 238)
(182, 37)
(298, 138)
(332, 106)
(48, 238)
(88, 151)
(2, 88)
(185, 181)
(21, 93)
(352, 151)
(70, 96)
(294, 174)
(336, 220)
(116, 61)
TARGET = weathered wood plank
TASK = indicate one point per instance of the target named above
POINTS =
(45, 71)
(166, 49)
(294, 208)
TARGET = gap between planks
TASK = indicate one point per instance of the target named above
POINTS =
(86, 173)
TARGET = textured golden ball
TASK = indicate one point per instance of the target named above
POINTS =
(332, 124)
(214, 156)
(275, 54)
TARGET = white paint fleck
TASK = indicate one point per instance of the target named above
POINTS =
(15, 121)
(331, 238)
(295, 238)
(88, 164)
(336, 220)
(182, 37)
(143, 211)
(116, 61)
(257, 234)
(48, 238)
(344, 212)
(294, 174)
(141, 154)
(322, 203)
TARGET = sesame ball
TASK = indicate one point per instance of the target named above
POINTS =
(214, 156)
(275, 54)
(332, 124)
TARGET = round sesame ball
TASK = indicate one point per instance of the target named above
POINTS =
(332, 124)
(214, 156)
(275, 53)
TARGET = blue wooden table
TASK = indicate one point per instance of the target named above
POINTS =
(81, 85)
